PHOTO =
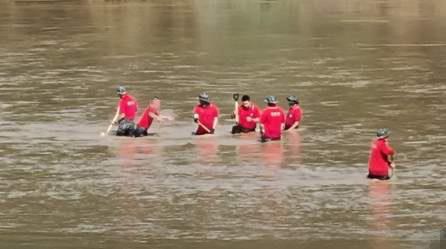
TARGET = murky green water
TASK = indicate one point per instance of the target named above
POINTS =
(356, 66)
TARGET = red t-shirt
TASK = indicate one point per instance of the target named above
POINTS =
(146, 120)
(128, 106)
(272, 119)
(243, 113)
(378, 160)
(294, 115)
(206, 115)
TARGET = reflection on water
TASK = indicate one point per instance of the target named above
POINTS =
(379, 194)
(356, 65)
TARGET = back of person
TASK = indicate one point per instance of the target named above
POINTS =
(378, 160)
(128, 106)
(272, 119)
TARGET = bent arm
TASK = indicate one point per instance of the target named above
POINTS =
(115, 118)
(296, 124)
(155, 116)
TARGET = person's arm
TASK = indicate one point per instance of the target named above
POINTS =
(155, 116)
(297, 116)
(257, 115)
(282, 125)
(391, 161)
(115, 118)
(390, 152)
(236, 112)
(296, 124)
(215, 123)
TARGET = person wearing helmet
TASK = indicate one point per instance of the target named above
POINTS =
(294, 115)
(205, 115)
(272, 120)
(125, 113)
(381, 164)
(152, 112)
(248, 114)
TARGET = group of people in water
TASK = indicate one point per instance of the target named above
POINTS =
(271, 121)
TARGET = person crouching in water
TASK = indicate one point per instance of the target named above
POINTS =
(247, 116)
(381, 164)
(152, 112)
(294, 115)
(205, 115)
(125, 113)
(271, 121)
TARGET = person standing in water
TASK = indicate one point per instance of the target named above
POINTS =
(152, 112)
(272, 120)
(294, 115)
(125, 113)
(205, 115)
(381, 165)
(248, 114)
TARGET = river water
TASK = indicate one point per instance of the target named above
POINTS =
(356, 65)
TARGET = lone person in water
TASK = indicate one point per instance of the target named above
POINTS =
(381, 164)
(205, 115)
(247, 116)
(294, 115)
(152, 112)
(125, 113)
(272, 120)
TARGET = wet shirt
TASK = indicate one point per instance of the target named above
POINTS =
(146, 120)
(294, 115)
(128, 106)
(378, 160)
(243, 113)
(206, 115)
(272, 118)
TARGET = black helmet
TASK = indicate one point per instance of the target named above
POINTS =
(383, 132)
(120, 90)
(292, 99)
(203, 97)
(270, 100)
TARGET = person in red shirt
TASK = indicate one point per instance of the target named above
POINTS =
(248, 114)
(152, 112)
(294, 115)
(272, 120)
(381, 164)
(205, 115)
(125, 113)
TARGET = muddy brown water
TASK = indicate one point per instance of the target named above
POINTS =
(356, 66)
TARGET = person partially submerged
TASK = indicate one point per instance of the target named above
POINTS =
(125, 113)
(205, 115)
(272, 120)
(247, 116)
(152, 112)
(381, 165)
(294, 115)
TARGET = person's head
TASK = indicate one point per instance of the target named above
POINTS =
(383, 133)
(271, 100)
(203, 98)
(120, 90)
(246, 101)
(292, 100)
(155, 103)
